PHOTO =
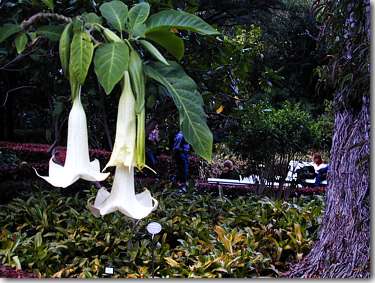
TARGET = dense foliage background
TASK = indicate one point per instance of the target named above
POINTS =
(264, 57)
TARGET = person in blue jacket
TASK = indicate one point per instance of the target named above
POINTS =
(181, 151)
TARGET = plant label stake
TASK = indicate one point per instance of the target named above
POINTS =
(221, 192)
(108, 270)
(153, 228)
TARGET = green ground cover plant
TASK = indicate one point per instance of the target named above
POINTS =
(55, 235)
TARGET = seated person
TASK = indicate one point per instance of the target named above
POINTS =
(229, 172)
(321, 169)
(306, 172)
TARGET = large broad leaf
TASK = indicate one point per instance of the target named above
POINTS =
(81, 51)
(53, 33)
(111, 60)
(153, 51)
(116, 13)
(180, 20)
(169, 41)
(20, 42)
(138, 14)
(183, 91)
(8, 30)
(64, 47)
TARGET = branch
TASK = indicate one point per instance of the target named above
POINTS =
(15, 89)
(44, 16)
(21, 56)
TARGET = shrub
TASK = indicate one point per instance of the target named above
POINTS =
(269, 138)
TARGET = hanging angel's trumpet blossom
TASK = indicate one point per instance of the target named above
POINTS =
(123, 149)
(123, 197)
(77, 162)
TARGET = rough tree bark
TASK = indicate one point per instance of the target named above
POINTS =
(342, 250)
(343, 247)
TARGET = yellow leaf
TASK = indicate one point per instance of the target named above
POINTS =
(142, 270)
(220, 233)
(95, 265)
(228, 245)
(174, 30)
(297, 231)
(58, 274)
(220, 109)
(172, 262)
(238, 237)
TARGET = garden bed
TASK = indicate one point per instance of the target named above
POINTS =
(203, 236)
(7, 272)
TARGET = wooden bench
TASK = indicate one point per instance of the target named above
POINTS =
(243, 187)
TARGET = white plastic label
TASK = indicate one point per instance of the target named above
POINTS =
(108, 270)
(153, 228)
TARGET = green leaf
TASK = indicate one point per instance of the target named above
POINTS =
(77, 25)
(138, 86)
(64, 47)
(168, 40)
(111, 60)
(8, 30)
(153, 51)
(180, 20)
(91, 18)
(139, 31)
(138, 14)
(49, 3)
(137, 79)
(20, 42)
(111, 36)
(183, 91)
(53, 33)
(116, 13)
(81, 51)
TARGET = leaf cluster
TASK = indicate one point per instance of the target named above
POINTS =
(202, 236)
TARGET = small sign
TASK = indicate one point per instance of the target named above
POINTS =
(153, 228)
(108, 270)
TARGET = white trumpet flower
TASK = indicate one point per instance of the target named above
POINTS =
(77, 162)
(123, 197)
(124, 148)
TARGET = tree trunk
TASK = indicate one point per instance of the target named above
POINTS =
(343, 247)
(342, 250)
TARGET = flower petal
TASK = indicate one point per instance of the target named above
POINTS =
(123, 197)
(59, 176)
(101, 196)
(92, 172)
(146, 199)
